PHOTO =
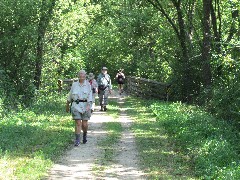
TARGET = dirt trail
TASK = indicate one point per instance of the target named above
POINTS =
(79, 161)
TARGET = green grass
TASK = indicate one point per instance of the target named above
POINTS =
(178, 141)
(175, 141)
(107, 146)
(212, 143)
(113, 109)
(32, 139)
(158, 154)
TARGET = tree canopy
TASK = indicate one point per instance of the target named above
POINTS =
(194, 45)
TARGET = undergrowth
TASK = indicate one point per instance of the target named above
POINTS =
(195, 138)
(32, 139)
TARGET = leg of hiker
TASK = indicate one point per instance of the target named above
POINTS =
(84, 128)
(78, 125)
(119, 88)
(100, 95)
(93, 103)
(105, 100)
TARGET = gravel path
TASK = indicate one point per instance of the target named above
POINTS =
(79, 161)
(126, 166)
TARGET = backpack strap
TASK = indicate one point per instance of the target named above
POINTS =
(107, 80)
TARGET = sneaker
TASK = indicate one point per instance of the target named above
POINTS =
(77, 143)
(101, 108)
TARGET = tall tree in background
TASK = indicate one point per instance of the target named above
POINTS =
(46, 13)
(180, 28)
(206, 48)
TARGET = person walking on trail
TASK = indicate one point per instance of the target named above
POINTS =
(104, 88)
(120, 80)
(94, 87)
(80, 97)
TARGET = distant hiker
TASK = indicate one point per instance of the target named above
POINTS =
(104, 88)
(94, 87)
(80, 97)
(120, 77)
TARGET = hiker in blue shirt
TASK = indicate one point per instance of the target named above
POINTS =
(104, 88)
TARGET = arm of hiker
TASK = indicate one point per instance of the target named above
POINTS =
(69, 99)
(110, 86)
(95, 86)
(67, 106)
(89, 99)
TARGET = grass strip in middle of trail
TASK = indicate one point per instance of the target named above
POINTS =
(114, 130)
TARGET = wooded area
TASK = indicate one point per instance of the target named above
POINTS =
(193, 45)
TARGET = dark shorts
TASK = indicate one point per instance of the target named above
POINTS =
(120, 82)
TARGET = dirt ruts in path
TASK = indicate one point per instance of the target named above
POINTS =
(126, 164)
(78, 162)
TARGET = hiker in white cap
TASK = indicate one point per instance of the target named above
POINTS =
(104, 88)
(94, 87)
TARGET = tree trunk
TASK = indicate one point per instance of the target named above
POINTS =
(45, 17)
(181, 33)
(206, 49)
(183, 39)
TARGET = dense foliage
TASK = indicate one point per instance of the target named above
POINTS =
(194, 45)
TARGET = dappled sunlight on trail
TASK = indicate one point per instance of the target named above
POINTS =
(79, 162)
(126, 164)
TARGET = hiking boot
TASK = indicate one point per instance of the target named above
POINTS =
(85, 139)
(77, 143)
(105, 108)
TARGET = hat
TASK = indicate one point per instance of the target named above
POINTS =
(104, 68)
(90, 75)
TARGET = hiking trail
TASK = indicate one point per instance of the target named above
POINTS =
(78, 162)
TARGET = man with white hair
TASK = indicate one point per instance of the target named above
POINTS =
(80, 97)
(104, 88)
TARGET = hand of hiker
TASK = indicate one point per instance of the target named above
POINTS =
(88, 107)
(110, 91)
(67, 107)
